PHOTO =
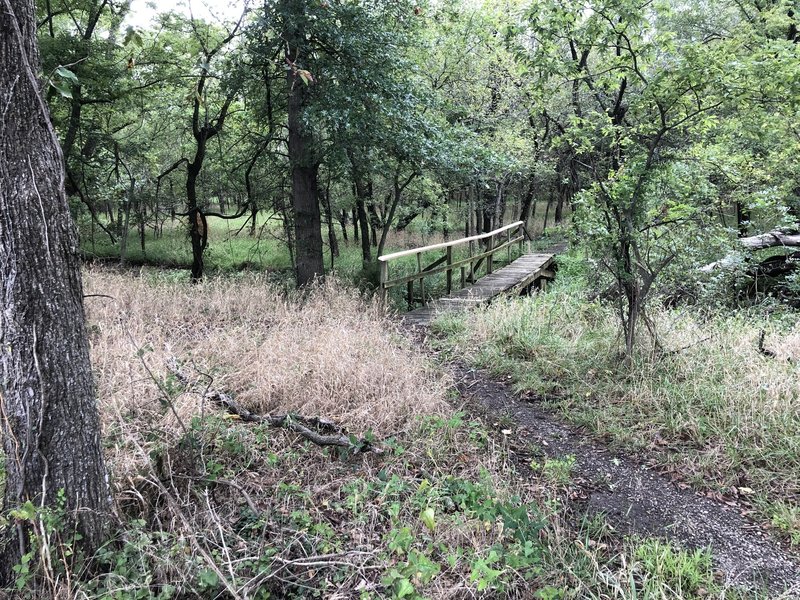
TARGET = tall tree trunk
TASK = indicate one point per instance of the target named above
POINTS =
(253, 218)
(499, 206)
(374, 218)
(343, 223)
(546, 214)
(123, 240)
(305, 194)
(198, 234)
(363, 199)
(50, 425)
(363, 225)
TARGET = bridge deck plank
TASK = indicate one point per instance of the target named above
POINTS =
(510, 279)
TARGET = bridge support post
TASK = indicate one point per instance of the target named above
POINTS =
(490, 258)
(450, 269)
(384, 266)
(421, 278)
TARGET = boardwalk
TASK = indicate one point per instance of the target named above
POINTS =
(527, 270)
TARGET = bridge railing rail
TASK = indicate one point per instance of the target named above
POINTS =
(481, 249)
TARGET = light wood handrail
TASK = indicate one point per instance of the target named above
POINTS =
(483, 236)
(473, 260)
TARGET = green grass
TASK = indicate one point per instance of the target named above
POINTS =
(230, 252)
(226, 250)
(441, 510)
(711, 408)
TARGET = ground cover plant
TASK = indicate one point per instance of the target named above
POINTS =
(716, 407)
(210, 506)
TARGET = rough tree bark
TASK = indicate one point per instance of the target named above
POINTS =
(304, 165)
(50, 422)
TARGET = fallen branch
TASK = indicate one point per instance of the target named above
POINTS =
(321, 432)
(770, 239)
(761, 349)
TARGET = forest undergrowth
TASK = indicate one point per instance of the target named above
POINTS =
(716, 407)
(210, 506)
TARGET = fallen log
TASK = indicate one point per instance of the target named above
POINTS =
(770, 239)
(317, 430)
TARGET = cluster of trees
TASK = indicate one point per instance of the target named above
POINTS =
(653, 122)
(317, 113)
(667, 128)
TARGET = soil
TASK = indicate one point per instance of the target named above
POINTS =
(636, 499)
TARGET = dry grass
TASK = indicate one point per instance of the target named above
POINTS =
(330, 353)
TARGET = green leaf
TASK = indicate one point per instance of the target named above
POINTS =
(132, 36)
(63, 88)
(208, 578)
(428, 517)
(67, 74)
(402, 588)
(26, 512)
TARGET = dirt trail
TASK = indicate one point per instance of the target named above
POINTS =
(636, 499)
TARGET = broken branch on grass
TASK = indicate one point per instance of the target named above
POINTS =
(761, 349)
(317, 430)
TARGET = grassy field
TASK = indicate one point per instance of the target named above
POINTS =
(710, 409)
(210, 506)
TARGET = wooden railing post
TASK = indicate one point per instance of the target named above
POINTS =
(449, 274)
(421, 278)
(490, 258)
(384, 265)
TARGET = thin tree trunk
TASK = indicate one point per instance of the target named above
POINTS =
(363, 198)
(334, 246)
(123, 240)
(50, 425)
(546, 214)
(363, 222)
(343, 223)
(355, 224)
(528, 209)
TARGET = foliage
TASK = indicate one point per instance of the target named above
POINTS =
(709, 407)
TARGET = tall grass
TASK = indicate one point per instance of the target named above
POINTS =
(710, 407)
(326, 353)
(207, 506)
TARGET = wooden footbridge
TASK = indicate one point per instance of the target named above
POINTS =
(466, 257)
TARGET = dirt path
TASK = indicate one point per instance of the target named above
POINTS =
(636, 499)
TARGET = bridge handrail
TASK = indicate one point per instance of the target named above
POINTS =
(474, 261)
(474, 238)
